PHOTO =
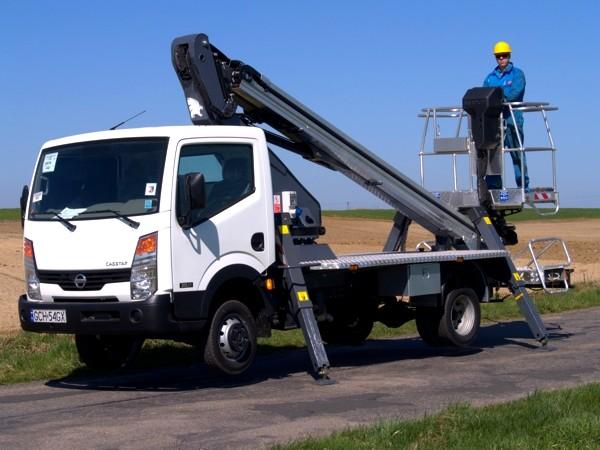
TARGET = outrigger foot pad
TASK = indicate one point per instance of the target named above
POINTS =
(322, 379)
(325, 381)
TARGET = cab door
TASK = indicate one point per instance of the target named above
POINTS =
(235, 227)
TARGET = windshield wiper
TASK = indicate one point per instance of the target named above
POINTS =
(65, 222)
(126, 220)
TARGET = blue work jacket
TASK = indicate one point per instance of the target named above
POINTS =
(512, 82)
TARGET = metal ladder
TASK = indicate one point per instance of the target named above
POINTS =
(554, 277)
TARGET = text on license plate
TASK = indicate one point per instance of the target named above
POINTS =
(48, 316)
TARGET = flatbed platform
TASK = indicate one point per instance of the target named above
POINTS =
(365, 260)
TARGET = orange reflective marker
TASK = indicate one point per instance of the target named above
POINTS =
(147, 244)
(269, 284)
(27, 248)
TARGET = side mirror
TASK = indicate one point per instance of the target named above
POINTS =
(191, 196)
(23, 203)
(194, 183)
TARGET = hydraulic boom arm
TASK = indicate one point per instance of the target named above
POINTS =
(216, 87)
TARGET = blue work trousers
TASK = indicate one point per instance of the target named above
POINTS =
(511, 141)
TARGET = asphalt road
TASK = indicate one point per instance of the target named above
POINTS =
(278, 401)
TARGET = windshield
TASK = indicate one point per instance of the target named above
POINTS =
(117, 176)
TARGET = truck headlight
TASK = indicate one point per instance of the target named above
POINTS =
(32, 282)
(143, 269)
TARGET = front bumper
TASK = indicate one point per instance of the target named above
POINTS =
(151, 317)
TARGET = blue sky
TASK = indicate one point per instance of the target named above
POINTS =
(368, 67)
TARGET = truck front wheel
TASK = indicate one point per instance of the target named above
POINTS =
(101, 352)
(231, 343)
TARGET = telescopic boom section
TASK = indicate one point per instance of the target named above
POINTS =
(216, 86)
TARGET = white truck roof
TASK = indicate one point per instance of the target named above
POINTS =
(178, 132)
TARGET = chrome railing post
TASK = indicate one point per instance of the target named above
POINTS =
(422, 150)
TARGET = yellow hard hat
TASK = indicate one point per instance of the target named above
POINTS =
(502, 47)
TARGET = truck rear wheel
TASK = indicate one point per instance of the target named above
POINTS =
(462, 316)
(231, 342)
(101, 352)
(428, 325)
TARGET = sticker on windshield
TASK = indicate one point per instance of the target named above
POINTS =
(49, 162)
(37, 197)
(150, 188)
(148, 204)
(69, 213)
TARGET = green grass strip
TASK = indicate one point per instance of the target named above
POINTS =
(31, 356)
(526, 214)
(10, 214)
(565, 419)
(28, 356)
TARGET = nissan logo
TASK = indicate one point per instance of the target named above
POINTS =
(79, 281)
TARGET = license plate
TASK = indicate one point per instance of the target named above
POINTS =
(48, 316)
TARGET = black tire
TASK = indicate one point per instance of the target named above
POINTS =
(231, 341)
(462, 316)
(344, 331)
(428, 325)
(101, 352)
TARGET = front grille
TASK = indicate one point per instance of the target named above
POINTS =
(85, 299)
(94, 279)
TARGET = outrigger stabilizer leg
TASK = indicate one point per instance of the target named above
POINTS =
(493, 242)
(299, 301)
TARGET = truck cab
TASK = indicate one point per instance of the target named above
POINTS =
(127, 232)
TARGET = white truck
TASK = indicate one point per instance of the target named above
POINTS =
(201, 234)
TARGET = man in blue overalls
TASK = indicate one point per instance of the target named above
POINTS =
(512, 82)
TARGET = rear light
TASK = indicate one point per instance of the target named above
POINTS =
(32, 282)
(143, 269)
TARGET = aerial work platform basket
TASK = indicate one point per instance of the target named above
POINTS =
(546, 263)
(458, 145)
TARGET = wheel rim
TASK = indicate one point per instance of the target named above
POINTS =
(463, 315)
(234, 339)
